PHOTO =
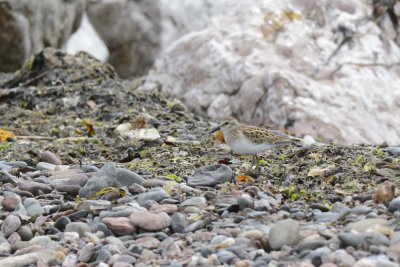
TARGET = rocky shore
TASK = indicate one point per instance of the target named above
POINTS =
(96, 172)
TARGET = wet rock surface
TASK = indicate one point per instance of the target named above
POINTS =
(99, 199)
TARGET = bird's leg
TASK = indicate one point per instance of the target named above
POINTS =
(251, 166)
(257, 164)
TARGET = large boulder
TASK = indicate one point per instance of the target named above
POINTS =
(274, 62)
(26, 27)
(131, 32)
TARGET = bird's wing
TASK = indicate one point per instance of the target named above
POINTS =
(260, 135)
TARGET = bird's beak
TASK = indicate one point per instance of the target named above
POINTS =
(215, 129)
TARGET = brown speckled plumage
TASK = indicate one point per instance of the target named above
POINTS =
(260, 136)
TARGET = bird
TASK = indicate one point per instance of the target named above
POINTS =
(251, 140)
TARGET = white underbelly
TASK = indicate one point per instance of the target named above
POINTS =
(244, 147)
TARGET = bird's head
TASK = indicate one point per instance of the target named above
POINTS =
(226, 126)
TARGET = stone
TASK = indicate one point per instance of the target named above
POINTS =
(394, 205)
(127, 259)
(132, 52)
(368, 225)
(245, 201)
(210, 175)
(193, 201)
(78, 227)
(394, 151)
(179, 222)
(148, 242)
(258, 53)
(33, 207)
(344, 259)
(150, 221)
(61, 223)
(106, 177)
(119, 225)
(44, 166)
(10, 225)
(35, 187)
(169, 209)
(70, 261)
(25, 233)
(86, 253)
(25, 20)
(144, 134)
(285, 232)
(50, 157)
(29, 258)
(9, 203)
(156, 195)
(385, 192)
(127, 178)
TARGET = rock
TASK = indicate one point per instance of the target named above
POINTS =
(375, 261)
(28, 27)
(78, 227)
(5, 247)
(385, 192)
(127, 178)
(226, 256)
(156, 195)
(169, 209)
(245, 201)
(29, 259)
(210, 175)
(285, 232)
(71, 179)
(193, 201)
(294, 81)
(33, 207)
(394, 151)
(127, 259)
(86, 253)
(50, 157)
(120, 225)
(9, 203)
(35, 187)
(394, 205)
(106, 177)
(25, 233)
(5, 177)
(61, 223)
(368, 225)
(144, 134)
(150, 221)
(318, 256)
(179, 222)
(148, 242)
(44, 166)
(342, 258)
(10, 225)
(132, 52)
(93, 205)
(70, 261)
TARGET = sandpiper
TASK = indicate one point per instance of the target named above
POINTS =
(250, 140)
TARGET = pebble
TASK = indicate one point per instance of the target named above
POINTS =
(33, 207)
(394, 151)
(245, 201)
(78, 227)
(34, 187)
(119, 225)
(9, 203)
(50, 157)
(44, 166)
(10, 225)
(169, 209)
(127, 178)
(285, 232)
(156, 194)
(150, 221)
(148, 242)
(86, 253)
(211, 175)
(25, 233)
(179, 222)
